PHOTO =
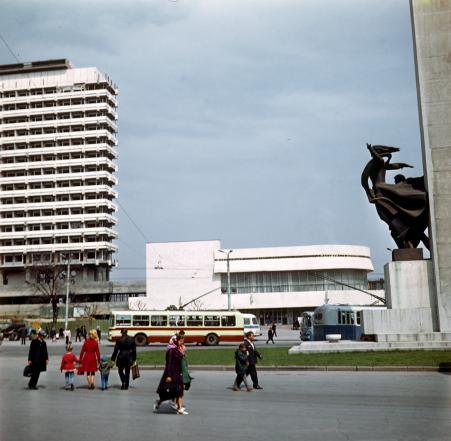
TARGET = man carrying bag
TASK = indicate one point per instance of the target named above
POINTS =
(124, 355)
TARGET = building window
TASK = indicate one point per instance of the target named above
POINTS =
(294, 281)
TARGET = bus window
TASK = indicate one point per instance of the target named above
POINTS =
(140, 320)
(177, 320)
(228, 320)
(211, 320)
(247, 321)
(194, 320)
(158, 320)
(123, 320)
(359, 317)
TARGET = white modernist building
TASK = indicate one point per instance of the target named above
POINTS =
(57, 147)
(273, 283)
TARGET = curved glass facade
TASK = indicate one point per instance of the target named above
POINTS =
(294, 281)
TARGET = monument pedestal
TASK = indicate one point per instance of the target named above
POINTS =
(410, 311)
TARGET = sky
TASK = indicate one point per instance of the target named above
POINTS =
(244, 121)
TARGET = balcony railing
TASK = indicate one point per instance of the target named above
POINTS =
(62, 218)
(58, 177)
(58, 123)
(80, 162)
(54, 191)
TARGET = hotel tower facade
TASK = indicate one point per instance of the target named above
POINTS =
(58, 144)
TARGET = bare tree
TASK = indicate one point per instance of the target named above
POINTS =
(48, 282)
(140, 305)
(197, 305)
(90, 312)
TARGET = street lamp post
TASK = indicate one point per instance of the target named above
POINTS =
(229, 299)
(66, 317)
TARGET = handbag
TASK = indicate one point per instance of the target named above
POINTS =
(135, 371)
(27, 371)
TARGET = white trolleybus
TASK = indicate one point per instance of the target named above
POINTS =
(201, 327)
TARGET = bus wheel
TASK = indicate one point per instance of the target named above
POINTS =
(211, 340)
(140, 340)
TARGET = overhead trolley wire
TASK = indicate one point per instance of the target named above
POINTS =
(9, 48)
(133, 222)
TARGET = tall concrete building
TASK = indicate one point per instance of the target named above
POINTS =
(57, 150)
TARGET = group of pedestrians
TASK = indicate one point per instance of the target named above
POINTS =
(246, 359)
(89, 362)
(272, 332)
(175, 380)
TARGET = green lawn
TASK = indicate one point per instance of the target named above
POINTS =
(280, 357)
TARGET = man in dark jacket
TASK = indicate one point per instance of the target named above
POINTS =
(124, 355)
(37, 358)
(23, 334)
(253, 356)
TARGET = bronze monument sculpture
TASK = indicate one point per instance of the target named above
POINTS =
(402, 205)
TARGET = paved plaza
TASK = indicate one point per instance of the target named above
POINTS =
(293, 406)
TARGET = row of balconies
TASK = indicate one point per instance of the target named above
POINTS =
(51, 248)
(59, 191)
(24, 163)
(31, 103)
(15, 264)
(94, 133)
(78, 148)
(55, 123)
(58, 117)
(52, 219)
(59, 177)
(59, 109)
(73, 232)
(5, 135)
(98, 93)
(102, 202)
(14, 200)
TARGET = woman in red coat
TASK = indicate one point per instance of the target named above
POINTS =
(90, 357)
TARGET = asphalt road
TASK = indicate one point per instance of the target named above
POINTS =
(293, 406)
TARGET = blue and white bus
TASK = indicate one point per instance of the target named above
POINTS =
(345, 320)
(251, 324)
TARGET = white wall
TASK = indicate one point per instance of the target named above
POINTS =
(177, 272)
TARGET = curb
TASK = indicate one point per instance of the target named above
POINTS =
(221, 368)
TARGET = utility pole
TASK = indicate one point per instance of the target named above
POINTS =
(66, 317)
(229, 294)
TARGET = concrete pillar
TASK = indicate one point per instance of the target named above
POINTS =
(431, 24)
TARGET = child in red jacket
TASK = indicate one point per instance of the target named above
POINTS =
(68, 367)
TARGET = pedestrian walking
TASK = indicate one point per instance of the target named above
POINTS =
(38, 359)
(67, 336)
(78, 334)
(274, 327)
(68, 367)
(99, 332)
(53, 334)
(254, 355)
(23, 335)
(124, 355)
(105, 366)
(270, 336)
(241, 365)
(90, 358)
(171, 384)
(84, 333)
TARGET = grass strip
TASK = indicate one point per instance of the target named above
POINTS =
(280, 357)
